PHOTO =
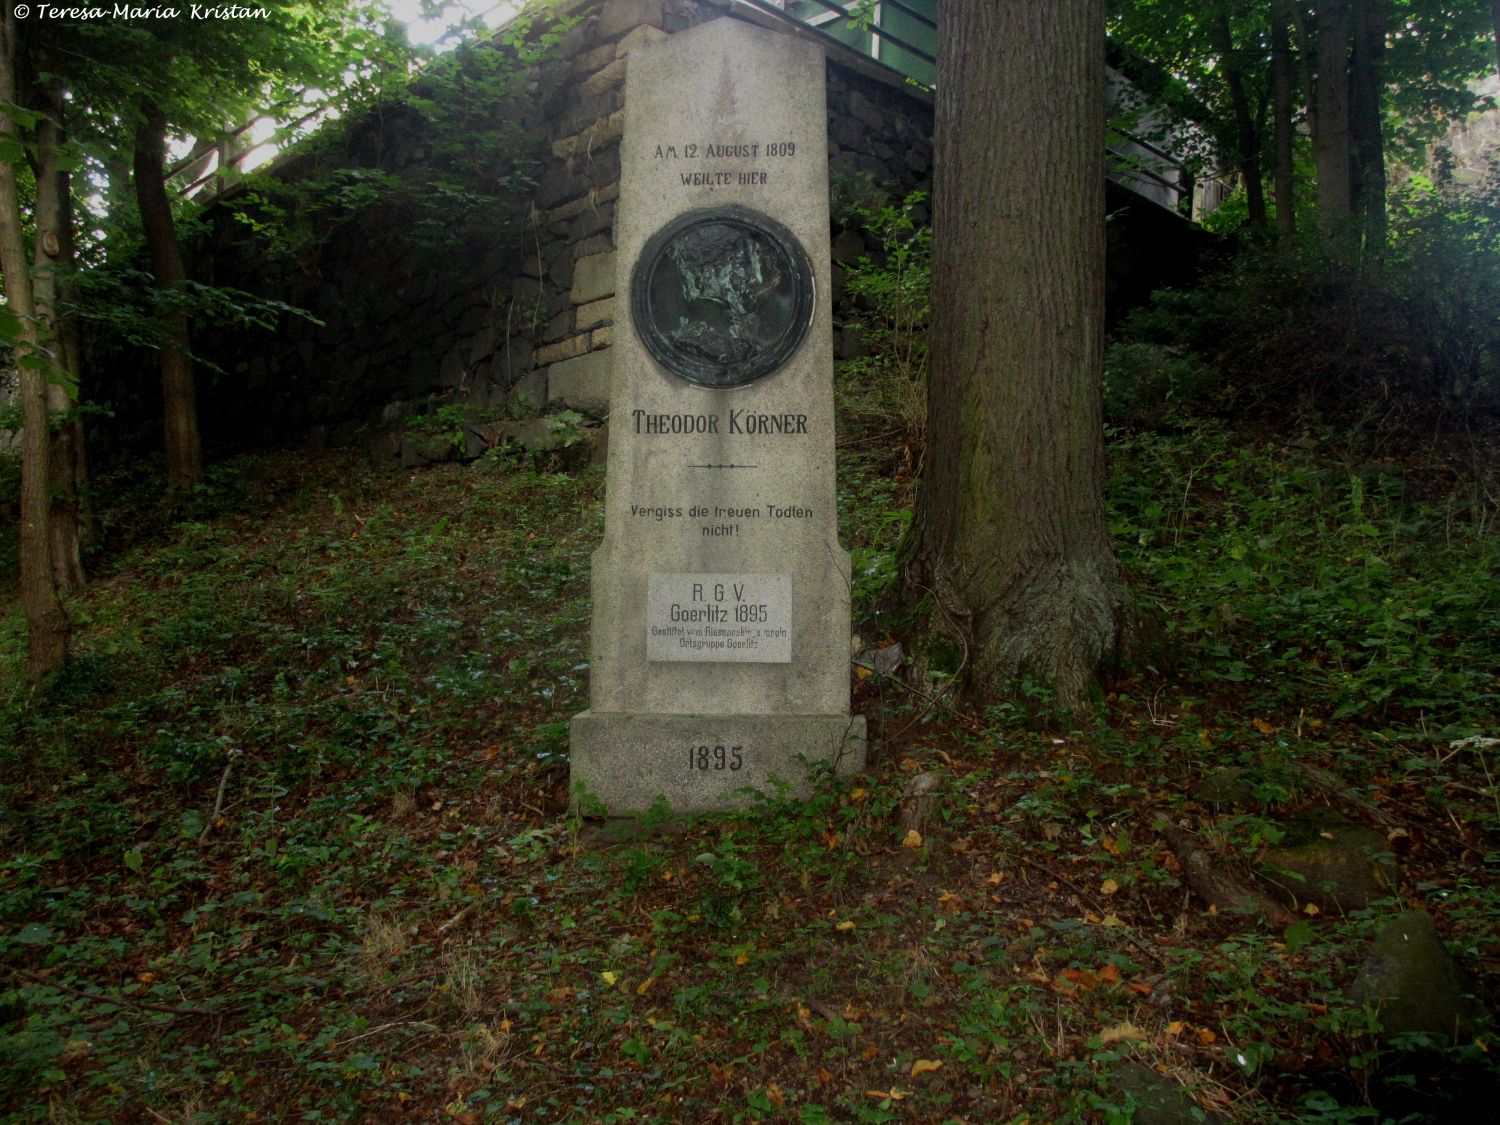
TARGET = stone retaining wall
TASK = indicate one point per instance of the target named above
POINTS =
(505, 317)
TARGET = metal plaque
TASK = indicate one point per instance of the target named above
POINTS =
(719, 618)
(722, 296)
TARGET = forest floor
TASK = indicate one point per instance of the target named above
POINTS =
(289, 840)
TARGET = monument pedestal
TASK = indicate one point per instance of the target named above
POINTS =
(720, 653)
(704, 763)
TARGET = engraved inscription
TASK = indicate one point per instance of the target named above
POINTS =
(737, 422)
(724, 520)
(718, 757)
(721, 176)
(719, 618)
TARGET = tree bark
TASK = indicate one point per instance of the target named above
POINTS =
(71, 343)
(1306, 53)
(1495, 19)
(53, 261)
(47, 626)
(1215, 885)
(1010, 536)
(1366, 84)
(1333, 145)
(1282, 134)
(1246, 136)
(181, 441)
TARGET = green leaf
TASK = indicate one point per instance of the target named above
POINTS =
(1299, 934)
(24, 118)
(35, 933)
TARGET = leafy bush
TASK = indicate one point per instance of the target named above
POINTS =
(890, 298)
(1410, 332)
(467, 114)
(1447, 243)
(1142, 380)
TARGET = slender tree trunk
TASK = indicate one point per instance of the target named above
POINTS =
(1495, 19)
(1010, 536)
(1306, 53)
(53, 262)
(1367, 84)
(72, 351)
(47, 626)
(1246, 135)
(1282, 134)
(1333, 145)
(179, 396)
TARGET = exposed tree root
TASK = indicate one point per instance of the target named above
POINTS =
(1206, 877)
(1340, 792)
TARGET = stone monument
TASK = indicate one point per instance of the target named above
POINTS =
(720, 654)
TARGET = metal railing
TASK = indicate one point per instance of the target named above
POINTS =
(877, 27)
(211, 160)
(1159, 168)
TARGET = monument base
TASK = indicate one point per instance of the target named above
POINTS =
(624, 764)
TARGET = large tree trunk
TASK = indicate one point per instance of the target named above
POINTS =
(1333, 144)
(47, 626)
(179, 398)
(53, 263)
(1246, 135)
(1282, 134)
(1010, 536)
(1366, 85)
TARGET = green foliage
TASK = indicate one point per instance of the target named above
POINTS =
(1289, 330)
(294, 217)
(891, 307)
(391, 913)
(122, 304)
(882, 395)
(1183, 55)
(874, 514)
(202, 75)
(468, 114)
(1333, 589)
(302, 673)
(447, 422)
(1146, 383)
(1442, 48)
(1446, 254)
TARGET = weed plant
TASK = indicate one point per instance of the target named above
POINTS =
(882, 396)
(1331, 588)
(887, 299)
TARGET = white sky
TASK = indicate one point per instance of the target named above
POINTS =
(427, 31)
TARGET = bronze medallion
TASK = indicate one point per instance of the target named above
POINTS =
(722, 296)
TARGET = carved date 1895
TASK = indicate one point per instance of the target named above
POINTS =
(715, 757)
